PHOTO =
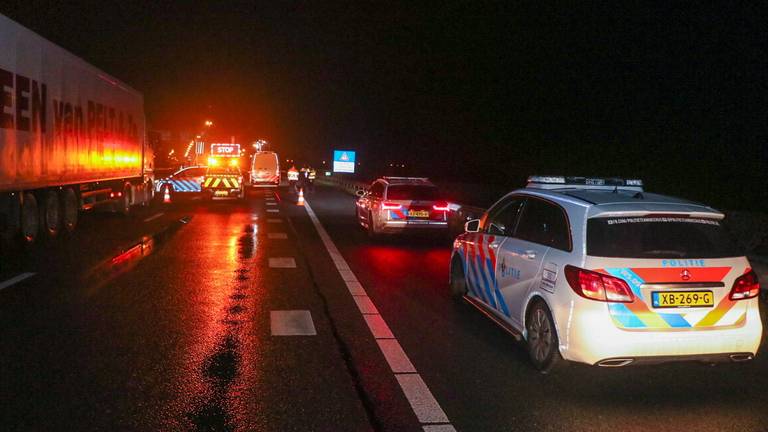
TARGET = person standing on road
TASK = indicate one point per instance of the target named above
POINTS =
(303, 178)
(311, 176)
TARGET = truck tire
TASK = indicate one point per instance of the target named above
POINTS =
(30, 218)
(69, 208)
(50, 214)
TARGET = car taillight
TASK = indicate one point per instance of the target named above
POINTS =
(441, 206)
(598, 286)
(745, 286)
(391, 206)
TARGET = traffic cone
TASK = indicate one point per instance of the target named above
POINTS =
(167, 195)
(301, 197)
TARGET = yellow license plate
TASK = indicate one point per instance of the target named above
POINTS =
(418, 213)
(221, 193)
(682, 299)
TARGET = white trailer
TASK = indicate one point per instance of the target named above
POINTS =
(71, 138)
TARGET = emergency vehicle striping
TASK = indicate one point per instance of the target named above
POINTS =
(422, 401)
(184, 185)
(481, 274)
(639, 315)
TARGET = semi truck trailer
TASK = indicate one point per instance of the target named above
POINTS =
(72, 138)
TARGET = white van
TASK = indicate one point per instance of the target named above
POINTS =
(265, 169)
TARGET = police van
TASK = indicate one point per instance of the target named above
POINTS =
(265, 169)
(599, 271)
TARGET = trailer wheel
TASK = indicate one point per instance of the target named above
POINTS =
(30, 218)
(70, 209)
(51, 214)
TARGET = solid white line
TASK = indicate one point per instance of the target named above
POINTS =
(277, 236)
(291, 323)
(14, 280)
(151, 218)
(282, 262)
(393, 352)
(422, 402)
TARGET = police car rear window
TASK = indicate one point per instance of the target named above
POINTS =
(412, 192)
(659, 237)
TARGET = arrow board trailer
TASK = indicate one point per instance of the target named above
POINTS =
(71, 138)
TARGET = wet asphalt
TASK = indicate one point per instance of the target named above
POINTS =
(163, 323)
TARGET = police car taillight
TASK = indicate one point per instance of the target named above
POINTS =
(391, 206)
(598, 286)
(441, 206)
(745, 286)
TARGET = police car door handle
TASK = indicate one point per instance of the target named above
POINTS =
(493, 245)
(530, 254)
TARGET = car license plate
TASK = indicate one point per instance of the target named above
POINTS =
(418, 213)
(221, 193)
(682, 299)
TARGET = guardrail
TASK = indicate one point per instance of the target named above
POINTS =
(459, 214)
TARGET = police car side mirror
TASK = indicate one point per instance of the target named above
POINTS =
(472, 226)
(360, 192)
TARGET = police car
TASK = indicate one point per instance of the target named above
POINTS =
(398, 204)
(185, 180)
(599, 271)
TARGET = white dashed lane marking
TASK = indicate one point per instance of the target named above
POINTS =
(282, 262)
(274, 221)
(291, 323)
(423, 403)
(273, 211)
(14, 280)
(277, 236)
(269, 203)
(151, 218)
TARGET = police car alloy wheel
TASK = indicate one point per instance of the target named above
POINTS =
(542, 338)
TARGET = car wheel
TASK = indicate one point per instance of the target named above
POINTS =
(372, 233)
(458, 279)
(543, 344)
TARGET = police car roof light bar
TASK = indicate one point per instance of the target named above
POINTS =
(566, 182)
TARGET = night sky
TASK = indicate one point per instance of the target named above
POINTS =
(476, 91)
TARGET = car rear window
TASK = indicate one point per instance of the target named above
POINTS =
(412, 192)
(659, 237)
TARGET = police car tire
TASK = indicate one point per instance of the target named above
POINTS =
(371, 227)
(458, 279)
(542, 338)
